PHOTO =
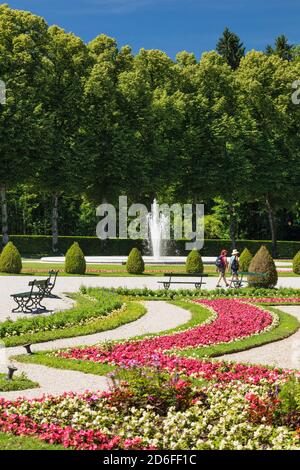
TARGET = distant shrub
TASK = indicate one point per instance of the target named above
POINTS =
(135, 263)
(296, 263)
(75, 261)
(245, 260)
(263, 263)
(194, 262)
(10, 260)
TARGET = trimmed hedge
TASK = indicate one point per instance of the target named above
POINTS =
(194, 264)
(41, 245)
(263, 263)
(296, 263)
(10, 260)
(135, 263)
(75, 261)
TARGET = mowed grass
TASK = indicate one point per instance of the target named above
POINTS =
(111, 270)
(19, 382)
(11, 442)
(132, 312)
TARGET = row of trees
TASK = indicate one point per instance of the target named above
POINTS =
(99, 121)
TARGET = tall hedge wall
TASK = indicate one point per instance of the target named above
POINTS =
(39, 245)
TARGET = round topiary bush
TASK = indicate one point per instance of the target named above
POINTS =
(135, 263)
(75, 261)
(245, 260)
(10, 260)
(263, 263)
(296, 263)
(194, 262)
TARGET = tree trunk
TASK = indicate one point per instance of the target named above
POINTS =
(232, 227)
(4, 217)
(55, 223)
(273, 227)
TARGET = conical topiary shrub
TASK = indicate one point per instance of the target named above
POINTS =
(10, 260)
(245, 260)
(194, 264)
(263, 263)
(75, 261)
(296, 263)
(135, 263)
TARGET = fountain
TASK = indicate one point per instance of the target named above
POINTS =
(157, 227)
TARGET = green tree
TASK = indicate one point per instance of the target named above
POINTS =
(61, 168)
(231, 48)
(282, 48)
(23, 40)
(272, 141)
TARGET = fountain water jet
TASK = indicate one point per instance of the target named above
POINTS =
(157, 228)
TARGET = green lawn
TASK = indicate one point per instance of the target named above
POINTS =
(19, 382)
(132, 312)
(10, 442)
(42, 269)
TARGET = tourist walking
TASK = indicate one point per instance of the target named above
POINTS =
(234, 265)
(222, 265)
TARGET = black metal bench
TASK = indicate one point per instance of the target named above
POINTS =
(197, 283)
(51, 281)
(30, 302)
(237, 283)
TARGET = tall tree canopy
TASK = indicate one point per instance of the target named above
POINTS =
(231, 48)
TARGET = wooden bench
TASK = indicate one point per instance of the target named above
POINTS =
(237, 283)
(197, 283)
(30, 302)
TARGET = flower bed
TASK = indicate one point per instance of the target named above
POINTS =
(170, 402)
(213, 416)
(234, 320)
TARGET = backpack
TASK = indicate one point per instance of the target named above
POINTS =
(234, 264)
(219, 263)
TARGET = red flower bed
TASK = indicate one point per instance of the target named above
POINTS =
(235, 319)
(67, 436)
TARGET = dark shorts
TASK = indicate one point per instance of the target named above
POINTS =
(221, 270)
(234, 272)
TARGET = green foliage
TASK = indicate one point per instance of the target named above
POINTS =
(135, 263)
(19, 382)
(75, 261)
(10, 260)
(251, 292)
(289, 396)
(151, 386)
(263, 263)
(230, 47)
(296, 263)
(245, 260)
(40, 245)
(214, 227)
(194, 262)
(94, 303)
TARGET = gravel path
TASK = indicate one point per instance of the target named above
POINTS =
(160, 316)
(12, 284)
(284, 353)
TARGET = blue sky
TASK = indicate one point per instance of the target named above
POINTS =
(172, 25)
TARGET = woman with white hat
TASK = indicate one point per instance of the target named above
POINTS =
(234, 266)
